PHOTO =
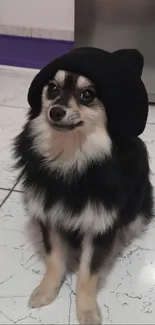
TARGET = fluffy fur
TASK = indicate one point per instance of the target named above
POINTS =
(80, 184)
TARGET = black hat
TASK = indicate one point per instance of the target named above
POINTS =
(117, 77)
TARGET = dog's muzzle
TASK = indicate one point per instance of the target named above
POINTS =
(57, 115)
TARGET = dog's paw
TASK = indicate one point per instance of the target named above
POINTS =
(89, 316)
(41, 297)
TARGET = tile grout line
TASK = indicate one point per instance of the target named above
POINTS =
(9, 189)
(11, 106)
(8, 195)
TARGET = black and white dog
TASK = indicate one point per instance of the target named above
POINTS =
(82, 186)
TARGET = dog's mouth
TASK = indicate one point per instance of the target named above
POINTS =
(66, 127)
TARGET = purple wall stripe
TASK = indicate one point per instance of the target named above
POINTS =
(30, 52)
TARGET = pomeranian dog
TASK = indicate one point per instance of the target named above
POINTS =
(82, 186)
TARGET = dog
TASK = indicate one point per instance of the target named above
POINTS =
(83, 187)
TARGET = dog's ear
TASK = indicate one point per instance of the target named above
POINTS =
(134, 58)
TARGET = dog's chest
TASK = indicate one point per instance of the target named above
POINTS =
(91, 218)
(74, 203)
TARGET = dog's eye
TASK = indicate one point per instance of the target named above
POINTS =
(87, 96)
(53, 90)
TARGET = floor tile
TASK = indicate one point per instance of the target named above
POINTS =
(149, 138)
(14, 84)
(3, 195)
(11, 121)
(151, 117)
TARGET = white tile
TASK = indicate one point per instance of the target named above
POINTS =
(151, 117)
(4, 319)
(21, 251)
(3, 194)
(14, 84)
(11, 121)
(149, 138)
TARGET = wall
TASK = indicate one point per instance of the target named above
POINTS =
(56, 16)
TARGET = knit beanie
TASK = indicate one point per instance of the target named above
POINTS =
(117, 78)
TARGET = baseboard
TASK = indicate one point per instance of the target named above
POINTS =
(30, 52)
(56, 34)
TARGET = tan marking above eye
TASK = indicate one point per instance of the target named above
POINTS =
(83, 82)
(60, 77)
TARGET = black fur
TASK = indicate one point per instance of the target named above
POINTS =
(102, 245)
(119, 182)
(45, 229)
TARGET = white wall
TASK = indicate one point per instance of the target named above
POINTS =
(44, 14)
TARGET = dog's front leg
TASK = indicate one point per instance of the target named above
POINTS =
(95, 253)
(55, 259)
(88, 311)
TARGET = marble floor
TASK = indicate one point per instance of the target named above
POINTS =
(128, 297)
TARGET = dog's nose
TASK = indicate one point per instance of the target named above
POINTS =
(57, 113)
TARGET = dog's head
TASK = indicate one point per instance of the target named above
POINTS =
(71, 128)
(70, 101)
